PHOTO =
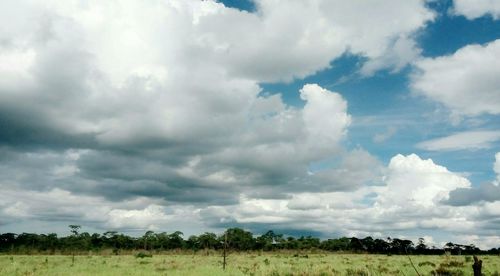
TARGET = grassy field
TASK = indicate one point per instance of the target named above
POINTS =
(243, 264)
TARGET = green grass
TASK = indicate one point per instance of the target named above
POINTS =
(242, 264)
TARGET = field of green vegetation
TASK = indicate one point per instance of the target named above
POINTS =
(243, 264)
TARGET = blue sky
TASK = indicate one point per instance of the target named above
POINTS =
(379, 118)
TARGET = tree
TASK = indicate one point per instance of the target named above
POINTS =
(208, 240)
(175, 240)
(74, 240)
(421, 246)
(148, 239)
(239, 239)
(269, 241)
(74, 229)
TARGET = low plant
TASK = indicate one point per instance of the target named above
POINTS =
(143, 255)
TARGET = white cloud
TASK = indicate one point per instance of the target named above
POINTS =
(403, 51)
(325, 116)
(467, 140)
(412, 198)
(304, 202)
(166, 97)
(412, 181)
(466, 82)
(150, 64)
(148, 218)
(473, 9)
(14, 65)
(61, 206)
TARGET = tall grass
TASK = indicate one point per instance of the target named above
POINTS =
(254, 263)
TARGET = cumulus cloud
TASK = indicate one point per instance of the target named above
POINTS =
(413, 181)
(131, 115)
(325, 116)
(153, 73)
(414, 196)
(467, 140)
(473, 9)
(58, 207)
(130, 83)
(466, 82)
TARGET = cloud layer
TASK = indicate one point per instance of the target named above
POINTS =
(471, 140)
(137, 115)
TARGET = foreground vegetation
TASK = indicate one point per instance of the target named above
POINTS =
(252, 263)
(235, 239)
(153, 253)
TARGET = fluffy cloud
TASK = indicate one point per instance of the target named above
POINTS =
(472, 140)
(151, 74)
(325, 116)
(414, 195)
(128, 115)
(58, 207)
(466, 82)
(473, 9)
(166, 106)
(413, 181)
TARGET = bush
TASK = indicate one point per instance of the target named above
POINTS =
(357, 272)
(452, 264)
(427, 263)
(143, 255)
(441, 271)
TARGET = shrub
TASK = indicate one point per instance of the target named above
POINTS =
(143, 255)
(356, 272)
(452, 264)
(442, 271)
(427, 263)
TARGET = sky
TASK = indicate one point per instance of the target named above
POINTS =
(326, 117)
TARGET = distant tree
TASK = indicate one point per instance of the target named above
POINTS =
(421, 246)
(208, 240)
(148, 239)
(380, 246)
(7, 241)
(175, 240)
(356, 245)
(269, 241)
(74, 229)
(291, 243)
(162, 240)
(238, 239)
(400, 246)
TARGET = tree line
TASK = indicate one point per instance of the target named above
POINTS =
(237, 240)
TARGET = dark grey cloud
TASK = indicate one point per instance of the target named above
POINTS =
(27, 131)
(487, 192)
